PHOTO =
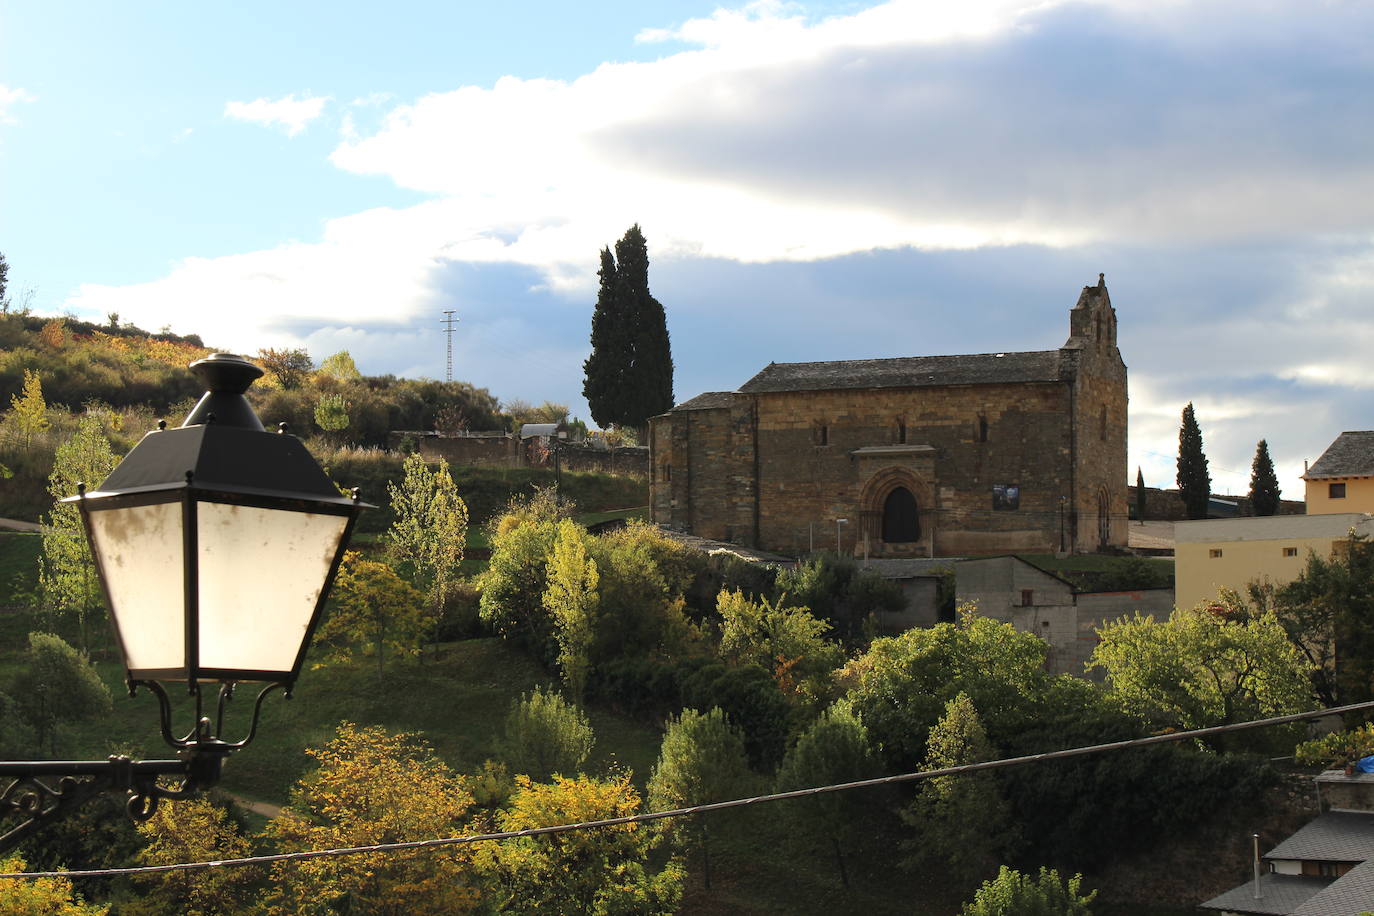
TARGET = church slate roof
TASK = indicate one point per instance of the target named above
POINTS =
(908, 372)
(1351, 455)
(708, 401)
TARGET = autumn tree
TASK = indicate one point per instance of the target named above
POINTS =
(1194, 484)
(1264, 483)
(604, 871)
(373, 787)
(516, 577)
(962, 820)
(66, 573)
(788, 641)
(1012, 893)
(1204, 666)
(629, 375)
(340, 367)
(290, 367)
(192, 830)
(546, 735)
(331, 413)
(834, 749)
(28, 413)
(430, 532)
(373, 609)
(702, 759)
(41, 896)
(56, 685)
(571, 599)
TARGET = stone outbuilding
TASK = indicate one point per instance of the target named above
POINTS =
(1014, 452)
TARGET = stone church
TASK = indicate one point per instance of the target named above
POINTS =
(915, 456)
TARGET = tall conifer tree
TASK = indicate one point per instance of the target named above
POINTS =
(629, 375)
(1264, 483)
(1194, 484)
(1139, 495)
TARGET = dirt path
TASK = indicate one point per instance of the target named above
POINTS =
(261, 808)
(14, 524)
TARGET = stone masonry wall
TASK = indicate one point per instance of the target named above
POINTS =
(803, 483)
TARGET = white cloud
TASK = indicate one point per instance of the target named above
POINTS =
(288, 112)
(9, 97)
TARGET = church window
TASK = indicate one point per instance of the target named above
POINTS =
(982, 428)
(1099, 327)
(822, 434)
(901, 432)
(901, 520)
(668, 472)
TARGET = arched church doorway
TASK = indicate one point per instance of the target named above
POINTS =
(901, 520)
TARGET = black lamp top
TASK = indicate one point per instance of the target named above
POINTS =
(226, 377)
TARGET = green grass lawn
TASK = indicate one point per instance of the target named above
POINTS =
(18, 563)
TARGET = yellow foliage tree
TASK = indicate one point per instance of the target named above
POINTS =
(373, 608)
(602, 871)
(571, 600)
(373, 787)
(28, 414)
(41, 896)
(193, 830)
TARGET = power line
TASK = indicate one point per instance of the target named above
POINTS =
(697, 809)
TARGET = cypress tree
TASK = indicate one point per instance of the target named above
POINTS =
(629, 375)
(1139, 495)
(1264, 483)
(1194, 484)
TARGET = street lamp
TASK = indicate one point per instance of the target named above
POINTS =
(216, 544)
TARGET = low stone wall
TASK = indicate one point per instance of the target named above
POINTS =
(505, 450)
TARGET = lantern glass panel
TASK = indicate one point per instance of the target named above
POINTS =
(141, 551)
(260, 576)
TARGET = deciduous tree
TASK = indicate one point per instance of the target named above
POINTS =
(375, 609)
(41, 896)
(1208, 665)
(788, 641)
(373, 787)
(28, 413)
(604, 871)
(192, 830)
(571, 599)
(57, 684)
(1012, 893)
(340, 366)
(430, 532)
(1194, 484)
(290, 367)
(66, 574)
(1264, 483)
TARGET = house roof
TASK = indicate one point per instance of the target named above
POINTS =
(1351, 455)
(908, 372)
(1351, 893)
(1333, 836)
(708, 401)
(1280, 895)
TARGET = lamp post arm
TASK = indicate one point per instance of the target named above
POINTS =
(40, 791)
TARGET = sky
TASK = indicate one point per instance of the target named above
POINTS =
(816, 181)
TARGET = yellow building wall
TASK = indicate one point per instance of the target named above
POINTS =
(1198, 575)
(1359, 496)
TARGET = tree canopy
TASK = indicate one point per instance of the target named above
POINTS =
(629, 374)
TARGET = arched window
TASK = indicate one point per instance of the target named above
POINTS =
(901, 521)
(982, 428)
